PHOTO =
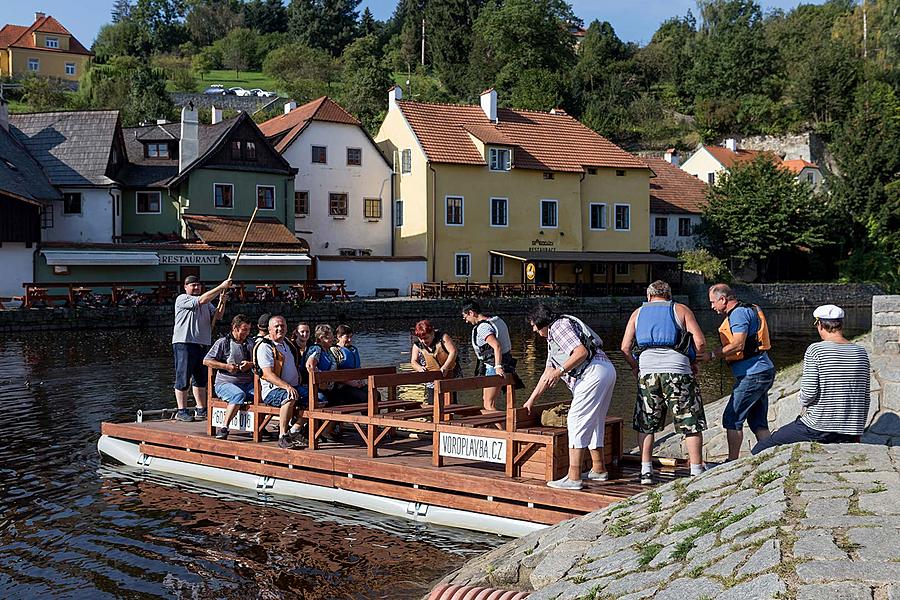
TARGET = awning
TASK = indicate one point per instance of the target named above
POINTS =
(298, 260)
(111, 257)
(590, 257)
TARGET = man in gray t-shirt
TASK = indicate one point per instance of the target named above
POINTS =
(280, 379)
(232, 357)
(192, 335)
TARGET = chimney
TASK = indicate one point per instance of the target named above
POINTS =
(38, 16)
(215, 115)
(395, 92)
(489, 104)
(672, 157)
(189, 145)
(289, 106)
(4, 114)
(731, 144)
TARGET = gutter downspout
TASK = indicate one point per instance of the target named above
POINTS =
(113, 198)
(433, 222)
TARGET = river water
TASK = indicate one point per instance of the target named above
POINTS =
(73, 527)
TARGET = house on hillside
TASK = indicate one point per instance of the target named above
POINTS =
(494, 194)
(676, 202)
(708, 162)
(44, 48)
(342, 191)
(806, 171)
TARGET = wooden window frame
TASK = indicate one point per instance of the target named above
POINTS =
(305, 213)
(604, 216)
(331, 205)
(462, 211)
(324, 153)
(147, 193)
(354, 164)
(66, 200)
(656, 223)
(274, 196)
(223, 186)
(366, 206)
(555, 204)
(616, 217)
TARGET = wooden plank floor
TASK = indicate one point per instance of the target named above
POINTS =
(403, 470)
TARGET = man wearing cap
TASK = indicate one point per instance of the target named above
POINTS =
(191, 337)
(262, 327)
(834, 388)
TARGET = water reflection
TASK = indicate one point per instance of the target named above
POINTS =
(68, 529)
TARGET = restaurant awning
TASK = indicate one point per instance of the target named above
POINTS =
(285, 259)
(110, 257)
(589, 257)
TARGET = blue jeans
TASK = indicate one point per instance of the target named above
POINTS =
(235, 393)
(277, 398)
(749, 402)
(798, 431)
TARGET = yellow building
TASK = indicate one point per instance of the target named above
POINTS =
(43, 48)
(493, 194)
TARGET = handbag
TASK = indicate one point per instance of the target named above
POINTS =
(556, 416)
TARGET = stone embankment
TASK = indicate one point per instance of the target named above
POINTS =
(808, 522)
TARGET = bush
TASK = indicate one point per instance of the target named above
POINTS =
(702, 261)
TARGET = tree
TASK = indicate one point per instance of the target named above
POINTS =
(238, 49)
(303, 72)
(448, 39)
(126, 84)
(367, 23)
(160, 23)
(326, 24)
(207, 19)
(266, 16)
(43, 93)
(759, 209)
(119, 39)
(121, 10)
(365, 80)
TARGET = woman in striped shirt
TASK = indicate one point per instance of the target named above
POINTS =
(834, 388)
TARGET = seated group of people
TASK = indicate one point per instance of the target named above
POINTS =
(283, 363)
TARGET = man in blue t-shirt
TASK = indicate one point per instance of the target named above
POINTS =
(745, 339)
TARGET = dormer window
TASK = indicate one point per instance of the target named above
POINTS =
(51, 42)
(499, 159)
(156, 150)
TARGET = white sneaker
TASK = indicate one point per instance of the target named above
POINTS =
(565, 484)
(647, 478)
(594, 476)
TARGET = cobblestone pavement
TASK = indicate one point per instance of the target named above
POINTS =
(806, 521)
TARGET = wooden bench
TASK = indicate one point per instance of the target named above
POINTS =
(257, 413)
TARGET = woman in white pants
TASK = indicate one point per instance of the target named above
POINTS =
(574, 355)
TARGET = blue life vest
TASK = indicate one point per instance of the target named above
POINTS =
(326, 360)
(657, 327)
(346, 357)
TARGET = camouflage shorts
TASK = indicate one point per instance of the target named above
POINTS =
(679, 393)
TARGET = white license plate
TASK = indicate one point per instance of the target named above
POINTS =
(242, 421)
(473, 447)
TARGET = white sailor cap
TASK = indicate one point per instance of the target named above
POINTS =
(829, 311)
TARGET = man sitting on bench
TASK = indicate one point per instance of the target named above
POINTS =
(276, 362)
(231, 355)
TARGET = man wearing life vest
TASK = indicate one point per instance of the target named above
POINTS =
(276, 361)
(575, 355)
(745, 339)
(232, 357)
(661, 343)
(490, 340)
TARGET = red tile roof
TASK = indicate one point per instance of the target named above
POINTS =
(798, 164)
(674, 190)
(218, 231)
(542, 141)
(728, 158)
(290, 125)
(46, 24)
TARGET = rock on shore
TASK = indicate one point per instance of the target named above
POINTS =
(804, 521)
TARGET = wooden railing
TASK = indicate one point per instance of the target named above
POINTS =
(517, 290)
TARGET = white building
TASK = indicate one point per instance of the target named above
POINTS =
(342, 200)
(709, 161)
(805, 171)
(676, 202)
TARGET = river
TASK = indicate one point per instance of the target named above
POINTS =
(73, 527)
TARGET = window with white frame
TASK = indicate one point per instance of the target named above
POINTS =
(711, 178)
(320, 154)
(598, 215)
(51, 42)
(499, 212)
(684, 227)
(148, 203)
(372, 208)
(598, 269)
(223, 195)
(623, 269)
(398, 213)
(623, 217)
(47, 217)
(301, 204)
(405, 161)
(265, 197)
(354, 157)
(337, 204)
(661, 227)
(549, 214)
(72, 203)
(70, 68)
(156, 150)
(496, 265)
(454, 210)
(463, 264)
(34, 65)
(499, 159)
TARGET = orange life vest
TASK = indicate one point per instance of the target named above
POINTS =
(755, 343)
(434, 359)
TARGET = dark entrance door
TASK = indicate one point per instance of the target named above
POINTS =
(191, 270)
(542, 272)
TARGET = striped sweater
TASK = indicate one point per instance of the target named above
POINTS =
(835, 387)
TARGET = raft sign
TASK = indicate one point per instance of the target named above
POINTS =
(473, 447)
(242, 421)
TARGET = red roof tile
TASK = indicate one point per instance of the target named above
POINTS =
(542, 141)
(290, 125)
(728, 158)
(798, 164)
(46, 24)
(218, 231)
(674, 190)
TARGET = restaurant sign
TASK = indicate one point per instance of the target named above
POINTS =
(189, 259)
(540, 245)
(473, 447)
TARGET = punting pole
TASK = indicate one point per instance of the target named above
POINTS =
(221, 305)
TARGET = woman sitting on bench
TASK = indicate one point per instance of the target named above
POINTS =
(433, 350)
(346, 356)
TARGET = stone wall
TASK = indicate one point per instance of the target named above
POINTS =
(808, 294)
(250, 104)
(808, 146)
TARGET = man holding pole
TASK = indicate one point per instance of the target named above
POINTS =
(192, 336)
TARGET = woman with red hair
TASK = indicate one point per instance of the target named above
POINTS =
(433, 350)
